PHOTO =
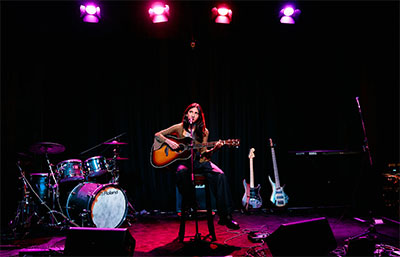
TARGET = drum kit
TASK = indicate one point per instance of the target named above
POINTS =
(84, 193)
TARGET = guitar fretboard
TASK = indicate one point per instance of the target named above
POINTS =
(251, 157)
(278, 185)
(209, 144)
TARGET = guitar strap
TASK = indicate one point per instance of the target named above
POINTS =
(248, 196)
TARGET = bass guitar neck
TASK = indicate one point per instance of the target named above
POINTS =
(278, 196)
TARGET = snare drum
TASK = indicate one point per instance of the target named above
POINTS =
(70, 170)
(96, 166)
(93, 204)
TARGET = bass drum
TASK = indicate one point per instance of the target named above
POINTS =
(97, 205)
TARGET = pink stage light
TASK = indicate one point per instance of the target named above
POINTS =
(289, 14)
(159, 12)
(90, 13)
(222, 14)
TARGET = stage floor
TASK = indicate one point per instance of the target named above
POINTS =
(156, 234)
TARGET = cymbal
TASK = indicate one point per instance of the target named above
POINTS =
(47, 147)
(22, 155)
(115, 142)
(118, 159)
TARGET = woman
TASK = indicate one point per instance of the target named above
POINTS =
(193, 126)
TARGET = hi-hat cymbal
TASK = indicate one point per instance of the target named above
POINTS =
(47, 147)
(115, 142)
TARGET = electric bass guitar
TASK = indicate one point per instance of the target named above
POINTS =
(162, 155)
(278, 197)
(251, 197)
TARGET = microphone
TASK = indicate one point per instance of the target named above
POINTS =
(358, 103)
(190, 121)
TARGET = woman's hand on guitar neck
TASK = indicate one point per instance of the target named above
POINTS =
(217, 146)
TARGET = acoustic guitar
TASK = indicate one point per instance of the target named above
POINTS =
(163, 155)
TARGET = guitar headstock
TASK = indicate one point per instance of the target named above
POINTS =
(270, 143)
(251, 153)
(232, 142)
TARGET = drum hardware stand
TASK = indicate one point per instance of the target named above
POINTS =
(55, 198)
(115, 170)
(25, 209)
(47, 148)
(83, 216)
(54, 190)
(23, 216)
(115, 174)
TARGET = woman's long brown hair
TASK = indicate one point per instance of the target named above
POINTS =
(200, 122)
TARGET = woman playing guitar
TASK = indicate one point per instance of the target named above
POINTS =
(193, 126)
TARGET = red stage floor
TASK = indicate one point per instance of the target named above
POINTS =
(156, 235)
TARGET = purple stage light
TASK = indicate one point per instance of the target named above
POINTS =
(287, 20)
(288, 11)
(90, 12)
(159, 12)
(289, 14)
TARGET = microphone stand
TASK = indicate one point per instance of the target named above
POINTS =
(365, 146)
(367, 150)
(197, 236)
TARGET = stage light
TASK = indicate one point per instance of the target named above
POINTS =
(159, 12)
(222, 14)
(90, 12)
(289, 15)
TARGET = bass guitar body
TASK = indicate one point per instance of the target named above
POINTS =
(278, 196)
(251, 198)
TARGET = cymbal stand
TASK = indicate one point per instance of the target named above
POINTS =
(54, 189)
(115, 175)
(25, 211)
(115, 170)
(23, 216)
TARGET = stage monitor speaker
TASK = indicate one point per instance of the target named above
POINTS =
(303, 238)
(99, 242)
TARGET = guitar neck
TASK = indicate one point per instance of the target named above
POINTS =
(208, 144)
(251, 174)
(277, 183)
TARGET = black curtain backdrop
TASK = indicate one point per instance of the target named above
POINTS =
(80, 84)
